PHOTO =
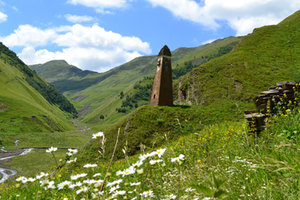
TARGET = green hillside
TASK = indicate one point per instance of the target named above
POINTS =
(184, 61)
(221, 89)
(98, 96)
(206, 150)
(269, 55)
(219, 162)
(23, 99)
(153, 126)
(57, 70)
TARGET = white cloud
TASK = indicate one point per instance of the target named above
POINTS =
(100, 5)
(3, 17)
(186, 9)
(243, 16)
(78, 19)
(88, 47)
(27, 35)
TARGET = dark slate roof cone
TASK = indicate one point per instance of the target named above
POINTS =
(162, 90)
(165, 51)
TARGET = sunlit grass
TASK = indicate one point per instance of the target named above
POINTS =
(69, 139)
(221, 161)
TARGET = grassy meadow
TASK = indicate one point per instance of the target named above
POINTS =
(222, 161)
(71, 139)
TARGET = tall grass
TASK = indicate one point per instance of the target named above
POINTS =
(219, 162)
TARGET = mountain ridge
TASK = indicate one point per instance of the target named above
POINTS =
(92, 98)
(269, 55)
(27, 102)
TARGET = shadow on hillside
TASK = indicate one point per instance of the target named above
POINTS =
(182, 106)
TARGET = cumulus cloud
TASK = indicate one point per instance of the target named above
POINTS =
(27, 35)
(100, 5)
(78, 19)
(88, 47)
(3, 17)
(242, 16)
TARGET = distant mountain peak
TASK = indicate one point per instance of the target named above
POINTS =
(57, 62)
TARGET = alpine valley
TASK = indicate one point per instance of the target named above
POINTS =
(200, 148)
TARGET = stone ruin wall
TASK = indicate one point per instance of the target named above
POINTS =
(266, 103)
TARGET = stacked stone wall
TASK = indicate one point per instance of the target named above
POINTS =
(270, 102)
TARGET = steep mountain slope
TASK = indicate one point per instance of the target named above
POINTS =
(140, 93)
(26, 102)
(98, 95)
(104, 98)
(221, 89)
(57, 70)
(269, 55)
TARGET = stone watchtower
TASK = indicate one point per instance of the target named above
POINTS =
(162, 91)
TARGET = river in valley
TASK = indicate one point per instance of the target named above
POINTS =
(5, 172)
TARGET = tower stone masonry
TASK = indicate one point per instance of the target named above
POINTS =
(162, 90)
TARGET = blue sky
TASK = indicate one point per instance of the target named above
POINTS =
(101, 34)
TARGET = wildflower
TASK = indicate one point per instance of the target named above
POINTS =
(73, 151)
(90, 181)
(96, 135)
(140, 171)
(190, 189)
(69, 154)
(153, 162)
(51, 185)
(63, 184)
(97, 174)
(72, 161)
(42, 174)
(72, 186)
(130, 170)
(110, 184)
(75, 177)
(148, 193)
(135, 184)
(90, 165)
(44, 182)
(114, 188)
(138, 163)
(143, 157)
(31, 179)
(51, 150)
(83, 189)
(178, 159)
(98, 183)
(160, 152)
(121, 192)
(171, 196)
(22, 179)
(118, 193)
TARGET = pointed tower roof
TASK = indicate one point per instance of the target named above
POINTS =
(165, 51)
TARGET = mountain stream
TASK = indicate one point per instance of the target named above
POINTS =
(5, 172)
